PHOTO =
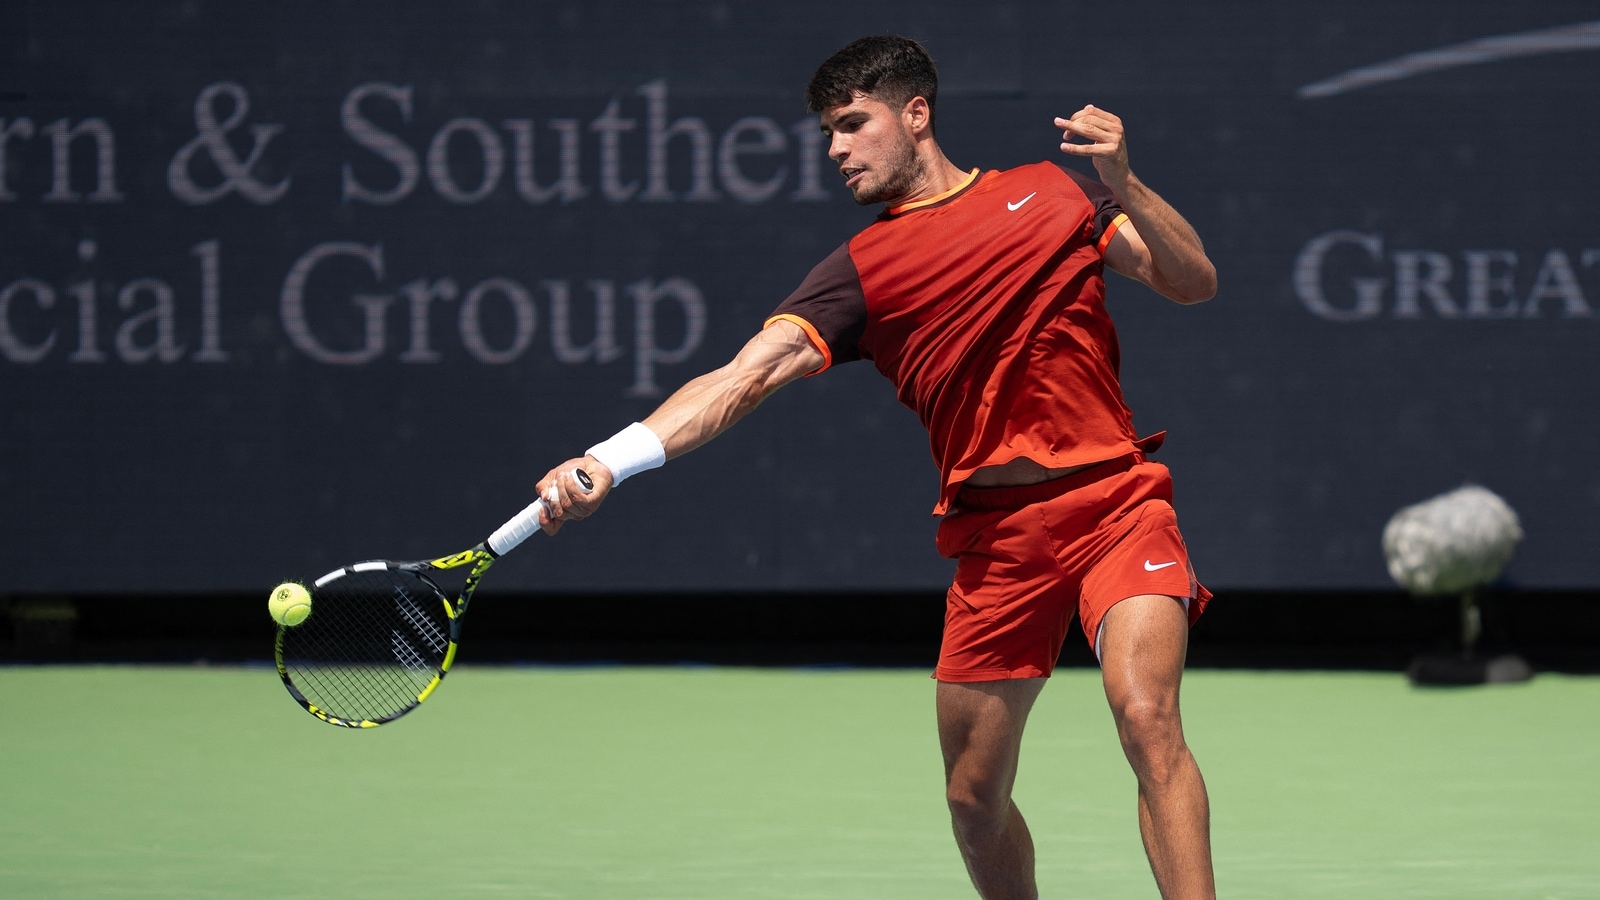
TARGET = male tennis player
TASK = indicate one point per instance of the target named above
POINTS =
(980, 295)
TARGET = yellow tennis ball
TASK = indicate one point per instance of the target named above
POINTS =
(290, 604)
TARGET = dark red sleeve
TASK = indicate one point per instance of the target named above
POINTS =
(830, 306)
(1108, 214)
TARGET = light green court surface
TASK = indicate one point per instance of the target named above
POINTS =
(728, 783)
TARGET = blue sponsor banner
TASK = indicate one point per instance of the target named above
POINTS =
(289, 286)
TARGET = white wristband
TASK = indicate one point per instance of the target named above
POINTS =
(630, 451)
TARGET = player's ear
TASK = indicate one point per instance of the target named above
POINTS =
(917, 116)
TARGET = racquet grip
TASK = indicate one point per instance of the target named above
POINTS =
(520, 526)
(516, 529)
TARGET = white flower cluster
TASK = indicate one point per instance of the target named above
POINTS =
(1451, 543)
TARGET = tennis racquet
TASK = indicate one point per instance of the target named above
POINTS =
(382, 634)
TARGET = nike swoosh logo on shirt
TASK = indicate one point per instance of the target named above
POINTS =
(1150, 568)
(1018, 205)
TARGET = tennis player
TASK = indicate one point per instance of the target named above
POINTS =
(980, 295)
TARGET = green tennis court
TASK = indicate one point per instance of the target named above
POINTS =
(711, 783)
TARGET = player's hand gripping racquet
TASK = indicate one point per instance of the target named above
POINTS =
(382, 635)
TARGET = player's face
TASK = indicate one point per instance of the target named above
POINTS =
(874, 149)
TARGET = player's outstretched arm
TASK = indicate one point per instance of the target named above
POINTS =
(693, 415)
(1156, 247)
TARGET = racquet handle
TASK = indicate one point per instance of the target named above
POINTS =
(516, 529)
(520, 526)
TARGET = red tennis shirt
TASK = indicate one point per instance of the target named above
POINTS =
(985, 307)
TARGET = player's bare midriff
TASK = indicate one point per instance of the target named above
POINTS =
(1019, 473)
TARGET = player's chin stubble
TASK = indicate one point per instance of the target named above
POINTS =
(905, 170)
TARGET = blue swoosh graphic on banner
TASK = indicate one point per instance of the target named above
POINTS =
(1561, 39)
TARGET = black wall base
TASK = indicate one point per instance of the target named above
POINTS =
(1553, 631)
(1468, 668)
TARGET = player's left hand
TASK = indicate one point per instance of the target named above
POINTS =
(1107, 145)
(566, 497)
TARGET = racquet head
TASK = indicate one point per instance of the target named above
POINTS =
(380, 637)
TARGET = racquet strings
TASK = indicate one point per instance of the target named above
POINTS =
(373, 642)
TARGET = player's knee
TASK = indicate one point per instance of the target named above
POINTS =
(977, 803)
(1152, 737)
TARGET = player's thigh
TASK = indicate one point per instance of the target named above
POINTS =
(981, 724)
(1144, 642)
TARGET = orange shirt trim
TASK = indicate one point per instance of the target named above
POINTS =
(1111, 232)
(918, 204)
(812, 334)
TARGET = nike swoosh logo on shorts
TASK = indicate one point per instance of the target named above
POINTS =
(1150, 568)
(1018, 205)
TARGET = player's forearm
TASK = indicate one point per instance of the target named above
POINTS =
(708, 405)
(703, 409)
(1176, 253)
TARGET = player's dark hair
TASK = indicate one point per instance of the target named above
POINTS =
(886, 67)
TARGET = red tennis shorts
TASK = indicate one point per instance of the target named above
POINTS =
(1030, 558)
